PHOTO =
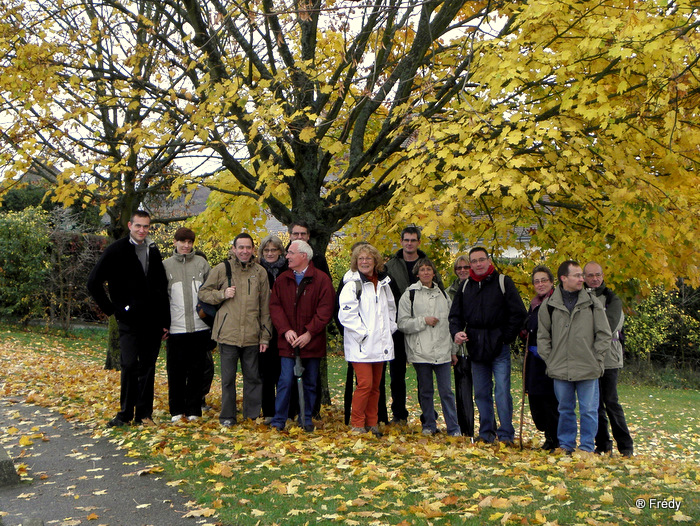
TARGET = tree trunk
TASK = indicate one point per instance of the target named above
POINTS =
(113, 352)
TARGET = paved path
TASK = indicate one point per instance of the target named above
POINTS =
(77, 479)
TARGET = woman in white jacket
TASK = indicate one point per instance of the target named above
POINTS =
(423, 313)
(368, 315)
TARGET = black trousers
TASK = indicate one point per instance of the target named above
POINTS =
(139, 347)
(269, 365)
(397, 370)
(545, 414)
(186, 360)
(609, 408)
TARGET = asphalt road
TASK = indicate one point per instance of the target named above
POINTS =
(77, 479)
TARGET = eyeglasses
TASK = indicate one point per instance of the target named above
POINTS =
(371, 259)
(538, 281)
(270, 250)
(462, 267)
(480, 260)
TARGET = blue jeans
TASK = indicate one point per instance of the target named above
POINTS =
(483, 376)
(284, 389)
(587, 392)
(426, 391)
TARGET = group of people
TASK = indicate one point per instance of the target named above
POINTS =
(271, 313)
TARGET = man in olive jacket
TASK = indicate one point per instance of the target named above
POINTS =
(242, 326)
(572, 339)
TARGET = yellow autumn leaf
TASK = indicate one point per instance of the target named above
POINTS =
(607, 498)
(25, 441)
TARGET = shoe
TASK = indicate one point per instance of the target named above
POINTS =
(374, 430)
(358, 431)
(430, 432)
(627, 453)
(598, 451)
(267, 420)
(549, 444)
(206, 407)
(507, 443)
(228, 422)
(563, 451)
(481, 440)
(177, 418)
(399, 421)
(147, 422)
(117, 422)
(193, 418)
(309, 428)
(456, 434)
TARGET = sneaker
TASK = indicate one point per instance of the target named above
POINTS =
(177, 418)
(456, 434)
(374, 430)
(430, 432)
(358, 431)
(117, 422)
(267, 420)
(228, 422)
(193, 418)
(147, 422)
(206, 407)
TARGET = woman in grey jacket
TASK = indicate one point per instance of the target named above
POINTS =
(423, 318)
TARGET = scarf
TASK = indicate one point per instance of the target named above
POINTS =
(537, 300)
(478, 279)
(274, 267)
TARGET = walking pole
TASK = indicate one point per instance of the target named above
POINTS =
(522, 398)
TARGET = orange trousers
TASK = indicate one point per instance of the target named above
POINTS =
(365, 399)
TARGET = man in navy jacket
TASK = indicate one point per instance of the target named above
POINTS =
(137, 296)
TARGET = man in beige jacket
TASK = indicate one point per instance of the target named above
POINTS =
(242, 325)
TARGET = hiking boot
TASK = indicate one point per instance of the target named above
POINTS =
(117, 422)
(374, 430)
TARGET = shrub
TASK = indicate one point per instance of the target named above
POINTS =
(24, 263)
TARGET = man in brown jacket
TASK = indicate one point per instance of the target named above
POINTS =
(242, 325)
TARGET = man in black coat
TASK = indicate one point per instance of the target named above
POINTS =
(487, 313)
(133, 269)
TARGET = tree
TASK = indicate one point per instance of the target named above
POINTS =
(581, 125)
(574, 120)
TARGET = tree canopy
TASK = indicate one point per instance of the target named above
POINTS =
(575, 122)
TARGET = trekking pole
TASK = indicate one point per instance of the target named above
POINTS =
(522, 398)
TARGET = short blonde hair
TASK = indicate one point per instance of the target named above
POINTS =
(367, 249)
(461, 258)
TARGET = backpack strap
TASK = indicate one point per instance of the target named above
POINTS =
(227, 264)
(412, 296)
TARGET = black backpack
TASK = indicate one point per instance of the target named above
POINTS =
(207, 311)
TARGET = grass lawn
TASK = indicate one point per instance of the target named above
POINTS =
(251, 475)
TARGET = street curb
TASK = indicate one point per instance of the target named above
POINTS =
(8, 475)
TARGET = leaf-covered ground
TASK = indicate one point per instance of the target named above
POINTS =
(251, 475)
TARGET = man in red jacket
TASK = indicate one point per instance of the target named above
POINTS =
(301, 305)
